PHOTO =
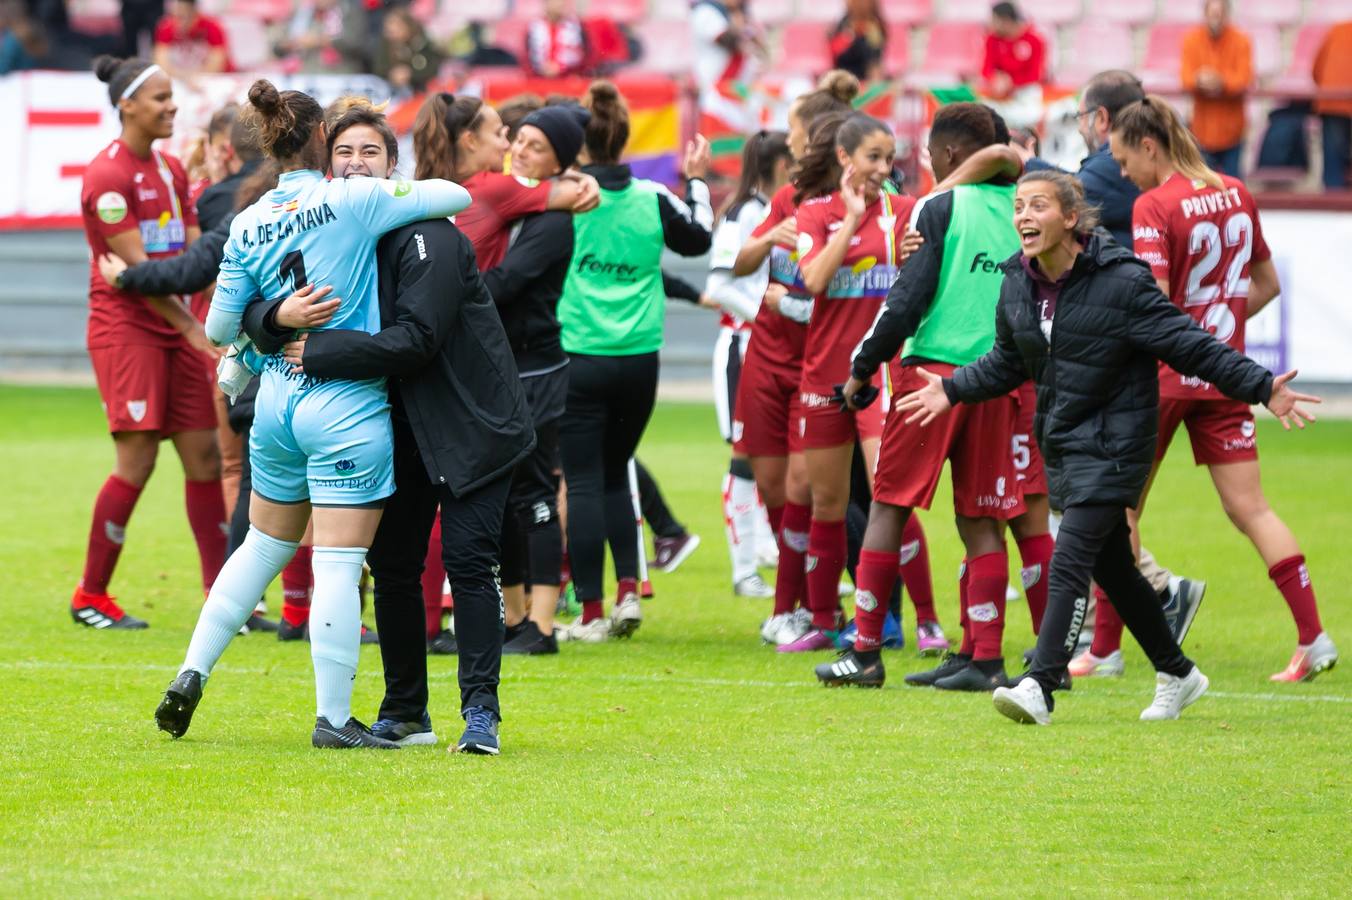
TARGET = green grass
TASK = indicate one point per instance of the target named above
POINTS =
(689, 761)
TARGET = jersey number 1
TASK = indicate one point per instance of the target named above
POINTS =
(293, 269)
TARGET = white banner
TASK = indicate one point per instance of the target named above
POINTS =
(1312, 320)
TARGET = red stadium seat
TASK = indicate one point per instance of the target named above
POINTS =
(510, 35)
(1163, 55)
(964, 10)
(520, 9)
(625, 11)
(1051, 12)
(1128, 12)
(1274, 12)
(675, 10)
(1267, 48)
(906, 12)
(1299, 74)
(1093, 46)
(447, 22)
(1329, 11)
(250, 49)
(803, 49)
(262, 10)
(897, 55)
(953, 50)
(817, 11)
(666, 46)
(773, 12)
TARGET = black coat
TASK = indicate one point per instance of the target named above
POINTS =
(1097, 415)
(443, 348)
(526, 287)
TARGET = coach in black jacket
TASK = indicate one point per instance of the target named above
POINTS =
(1096, 424)
(460, 426)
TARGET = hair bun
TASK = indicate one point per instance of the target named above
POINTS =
(105, 67)
(603, 93)
(840, 84)
(263, 95)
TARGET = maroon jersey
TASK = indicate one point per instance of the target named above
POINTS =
(1202, 241)
(499, 200)
(777, 338)
(123, 192)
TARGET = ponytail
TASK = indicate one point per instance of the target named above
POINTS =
(1153, 117)
(762, 151)
(436, 133)
(819, 170)
(284, 121)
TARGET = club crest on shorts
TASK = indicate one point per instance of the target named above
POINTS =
(345, 465)
(136, 409)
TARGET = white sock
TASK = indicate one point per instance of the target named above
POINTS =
(335, 629)
(245, 575)
(767, 546)
(739, 521)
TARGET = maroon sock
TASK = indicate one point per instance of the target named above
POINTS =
(914, 567)
(1107, 626)
(776, 516)
(592, 610)
(877, 572)
(624, 587)
(790, 578)
(206, 517)
(1036, 555)
(297, 579)
(112, 510)
(965, 622)
(825, 561)
(989, 576)
(1293, 580)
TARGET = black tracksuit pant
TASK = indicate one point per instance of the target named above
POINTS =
(610, 399)
(654, 506)
(1095, 542)
(470, 526)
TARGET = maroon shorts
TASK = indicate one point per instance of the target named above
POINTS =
(822, 424)
(765, 416)
(164, 389)
(1221, 431)
(1032, 475)
(974, 438)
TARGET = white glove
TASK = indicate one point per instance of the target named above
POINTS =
(237, 368)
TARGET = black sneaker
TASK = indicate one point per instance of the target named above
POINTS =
(258, 623)
(1181, 601)
(288, 632)
(510, 632)
(350, 737)
(481, 733)
(853, 668)
(174, 714)
(978, 675)
(530, 641)
(443, 645)
(952, 662)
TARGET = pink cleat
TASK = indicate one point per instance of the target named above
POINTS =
(1317, 656)
(815, 639)
(930, 640)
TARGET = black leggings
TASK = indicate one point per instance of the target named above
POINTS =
(532, 542)
(1095, 542)
(654, 506)
(610, 399)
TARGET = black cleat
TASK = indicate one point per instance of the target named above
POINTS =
(351, 736)
(288, 632)
(258, 623)
(952, 663)
(174, 714)
(978, 675)
(530, 641)
(853, 668)
(510, 632)
(443, 644)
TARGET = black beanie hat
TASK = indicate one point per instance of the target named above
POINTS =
(563, 126)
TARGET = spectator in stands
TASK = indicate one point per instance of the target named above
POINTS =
(405, 56)
(859, 39)
(727, 47)
(1014, 66)
(188, 43)
(23, 45)
(325, 36)
(556, 45)
(1218, 71)
(1333, 71)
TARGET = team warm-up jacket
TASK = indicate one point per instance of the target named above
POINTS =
(1097, 384)
(526, 286)
(1105, 187)
(443, 348)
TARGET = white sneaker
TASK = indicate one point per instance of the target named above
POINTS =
(770, 627)
(753, 586)
(626, 617)
(1174, 694)
(798, 623)
(1087, 665)
(1024, 702)
(593, 632)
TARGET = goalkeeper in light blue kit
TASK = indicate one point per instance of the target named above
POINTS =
(320, 446)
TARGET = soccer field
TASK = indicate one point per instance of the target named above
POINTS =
(688, 761)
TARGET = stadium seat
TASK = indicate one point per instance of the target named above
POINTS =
(817, 11)
(521, 9)
(1328, 11)
(1091, 47)
(447, 22)
(953, 51)
(1266, 41)
(666, 46)
(1163, 52)
(1274, 12)
(906, 12)
(95, 16)
(773, 12)
(675, 10)
(269, 11)
(624, 11)
(510, 35)
(897, 55)
(1051, 12)
(250, 49)
(963, 10)
(803, 49)
(1128, 12)
(1298, 75)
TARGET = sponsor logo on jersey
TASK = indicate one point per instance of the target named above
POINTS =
(136, 409)
(815, 401)
(622, 272)
(1154, 259)
(984, 263)
(540, 513)
(111, 207)
(163, 235)
(145, 195)
(1143, 233)
(422, 247)
(853, 283)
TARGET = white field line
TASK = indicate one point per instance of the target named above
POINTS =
(372, 672)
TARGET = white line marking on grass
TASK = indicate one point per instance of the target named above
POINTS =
(634, 679)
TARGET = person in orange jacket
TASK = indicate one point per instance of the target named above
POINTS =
(1218, 72)
(1333, 71)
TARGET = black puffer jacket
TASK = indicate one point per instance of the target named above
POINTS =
(1097, 383)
